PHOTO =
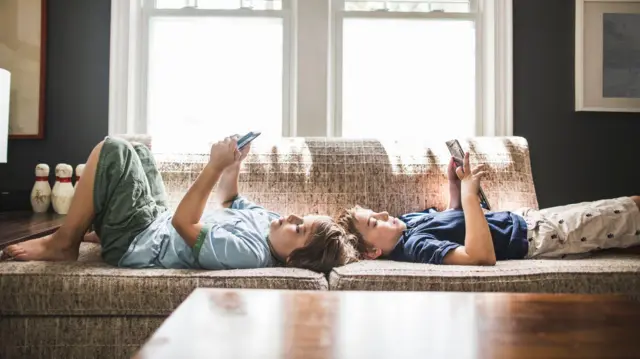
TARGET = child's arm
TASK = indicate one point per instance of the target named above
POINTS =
(186, 219)
(455, 200)
(478, 248)
(478, 244)
(228, 186)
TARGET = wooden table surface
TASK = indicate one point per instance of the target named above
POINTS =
(23, 225)
(219, 323)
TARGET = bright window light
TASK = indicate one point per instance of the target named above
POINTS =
(210, 77)
(408, 78)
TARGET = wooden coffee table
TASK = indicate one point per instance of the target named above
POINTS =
(22, 225)
(218, 323)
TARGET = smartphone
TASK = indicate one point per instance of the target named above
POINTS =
(246, 139)
(458, 157)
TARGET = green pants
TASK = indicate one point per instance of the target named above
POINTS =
(128, 195)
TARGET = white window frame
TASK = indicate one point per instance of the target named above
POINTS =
(495, 28)
(130, 53)
(312, 63)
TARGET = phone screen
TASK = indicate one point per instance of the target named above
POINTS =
(247, 139)
(457, 152)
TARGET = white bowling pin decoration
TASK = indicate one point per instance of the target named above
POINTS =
(79, 170)
(63, 190)
(41, 191)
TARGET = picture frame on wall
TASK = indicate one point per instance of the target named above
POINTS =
(23, 35)
(607, 55)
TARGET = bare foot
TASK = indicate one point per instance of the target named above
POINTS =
(46, 248)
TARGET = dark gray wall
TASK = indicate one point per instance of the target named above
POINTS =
(575, 156)
(77, 95)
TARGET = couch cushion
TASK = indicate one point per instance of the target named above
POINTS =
(323, 175)
(89, 286)
(602, 273)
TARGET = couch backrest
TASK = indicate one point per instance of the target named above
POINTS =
(322, 175)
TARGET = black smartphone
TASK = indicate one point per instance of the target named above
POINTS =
(458, 157)
(246, 139)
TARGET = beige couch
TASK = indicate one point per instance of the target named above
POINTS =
(87, 309)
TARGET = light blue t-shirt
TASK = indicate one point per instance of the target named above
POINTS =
(232, 238)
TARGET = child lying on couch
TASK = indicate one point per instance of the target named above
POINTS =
(123, 196)
(465, 235)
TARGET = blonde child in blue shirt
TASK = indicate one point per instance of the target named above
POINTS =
(122, 195)
(465, 234)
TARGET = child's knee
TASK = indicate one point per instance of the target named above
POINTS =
(95, 153)
(98, 145)
(636, 199)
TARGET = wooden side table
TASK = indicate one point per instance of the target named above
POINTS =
(20, 226)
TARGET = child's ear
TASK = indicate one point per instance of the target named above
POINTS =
(374, 253)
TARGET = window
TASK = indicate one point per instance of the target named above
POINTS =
(190, 71)
(452, 6)
(195, 94)
(407, 69)
(220, 4)
(208, 69)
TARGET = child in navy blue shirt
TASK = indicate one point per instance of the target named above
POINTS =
(465, 234)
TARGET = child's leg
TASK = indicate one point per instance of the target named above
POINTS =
(154, 178)
(114, 195)
(124, 204)
(64, 243)
(155, 183)
(585, 227)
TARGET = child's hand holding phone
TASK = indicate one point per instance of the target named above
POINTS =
(451, 171)
(470, 177)
(459, 157)
(244, 151)
(244, 144)
(231, 150)
(224, 153)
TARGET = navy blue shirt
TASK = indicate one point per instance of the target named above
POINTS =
(430, 235)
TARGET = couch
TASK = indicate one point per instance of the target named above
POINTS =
(87, 309)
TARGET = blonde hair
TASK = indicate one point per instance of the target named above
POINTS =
(347, 220)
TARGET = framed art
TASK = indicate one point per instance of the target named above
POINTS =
(607, 58)
(22, 52)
